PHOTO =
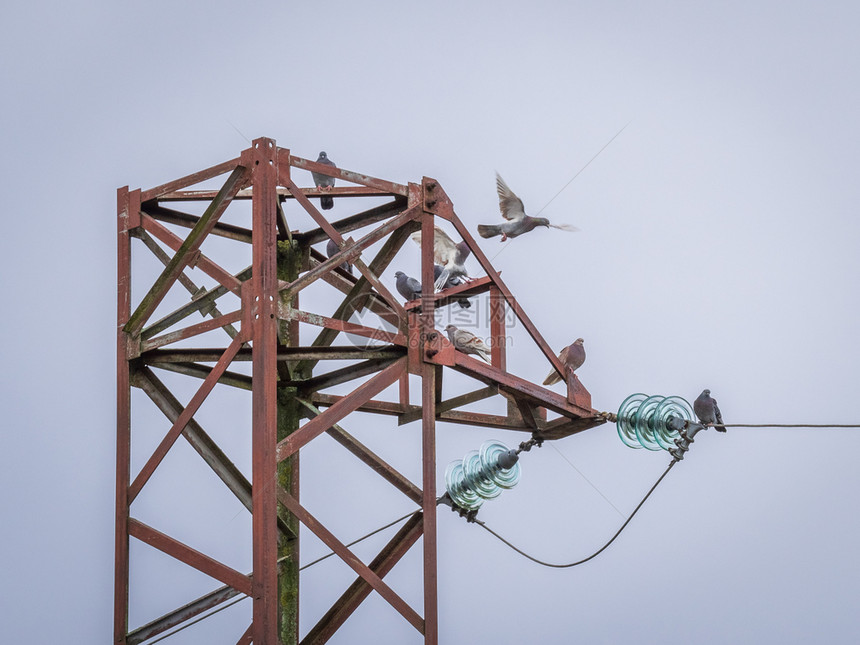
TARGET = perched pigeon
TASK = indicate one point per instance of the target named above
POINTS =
(407, 287)
(451, 257)
(452, 282)
(572, 356)
(467, 342)
(331, 248)
(708, 411)
(515, 213)
(324, 182)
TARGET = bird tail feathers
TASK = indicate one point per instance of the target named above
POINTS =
(489, 230)
(327, 203)
(552, 378)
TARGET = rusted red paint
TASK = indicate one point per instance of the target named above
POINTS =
(123, 420)
(343, 608)
(261, 158)
(189, 556)
(415, 348)
(351, 560)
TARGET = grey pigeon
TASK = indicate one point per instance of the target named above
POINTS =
(467, 342)
(324, 182)
(331, 249)
(407, 287)
(708, 411)
(451, 257)
(572, 356)
(517, 222)
(452, 282)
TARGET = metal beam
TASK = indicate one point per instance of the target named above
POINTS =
(359, 590)
(199, 440)
(189, 411)
(338, 411)
(186, 252)
(366, 455)
(189, 556)
(351, 560)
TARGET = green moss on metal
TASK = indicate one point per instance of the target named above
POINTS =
(289, 415)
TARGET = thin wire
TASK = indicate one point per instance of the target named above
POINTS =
(788, 425)
(381, 528)
(309, 564)
(583, 168)
(238, 130)
(565, 186)
(194, 622)
(599, 551)
(590, 483)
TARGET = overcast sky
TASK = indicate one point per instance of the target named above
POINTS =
(718, 248)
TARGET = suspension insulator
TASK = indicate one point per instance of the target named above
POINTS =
(482, 475)
(652, 422)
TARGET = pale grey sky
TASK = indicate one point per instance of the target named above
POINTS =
(718, 249)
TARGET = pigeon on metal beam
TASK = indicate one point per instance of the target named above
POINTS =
(450, 256)
(407, 286)
(331, 249)
(708, 411)
(452, 282)
(572, 356)
(517, 222)
(324, 182)
(467, 342)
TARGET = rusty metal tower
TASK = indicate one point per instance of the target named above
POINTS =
(262, 327)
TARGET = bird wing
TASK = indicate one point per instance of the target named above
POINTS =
(562, 355)
(511, 206)
(717, 414)
(444, 249)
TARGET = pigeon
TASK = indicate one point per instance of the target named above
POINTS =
(572, 356)
(467, 342)
(452, 282)
(451, 257)
(708, 411)
(332, 248)
(515, 213)
(407, 287)
(324, 182)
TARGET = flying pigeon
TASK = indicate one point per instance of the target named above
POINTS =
(708, 411)
(451, 257)
(467, 342)
(324, 182)
(407, 287)
(331, 248)
(572, 356)
(452, 282)
(515, 213)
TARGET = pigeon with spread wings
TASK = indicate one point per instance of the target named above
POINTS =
(516, 221)
(450, 256)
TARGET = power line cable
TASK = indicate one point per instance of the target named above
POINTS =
(788, 425)
(596, 553)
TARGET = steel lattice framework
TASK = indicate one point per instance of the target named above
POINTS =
(263, 329)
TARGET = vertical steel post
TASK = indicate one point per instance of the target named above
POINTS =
(428, 432)
(289, 265)
(123, 417)
(261, 160)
